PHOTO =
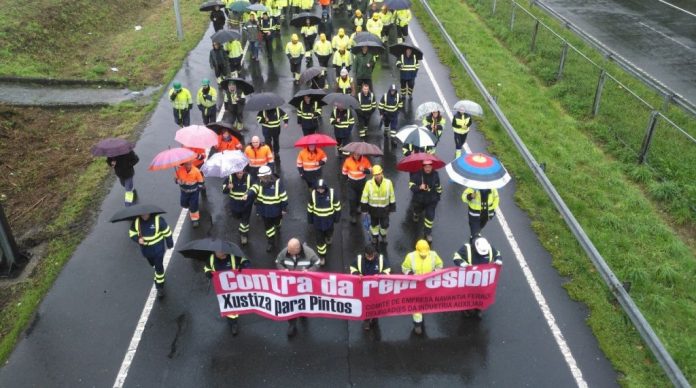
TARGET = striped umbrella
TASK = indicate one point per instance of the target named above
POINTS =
(478, 171)
(171, 158)
(418, 136)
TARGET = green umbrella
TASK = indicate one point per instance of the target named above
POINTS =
(239, 6)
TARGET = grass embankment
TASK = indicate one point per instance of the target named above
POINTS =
(82, 39)
(51, 182)
(625, 226)
(669, 177)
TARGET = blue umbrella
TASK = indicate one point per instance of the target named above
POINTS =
(478, 171)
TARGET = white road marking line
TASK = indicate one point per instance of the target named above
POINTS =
(675, 7)
(666, 36)
(533, 285)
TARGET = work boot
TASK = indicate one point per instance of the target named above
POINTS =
(328, 240)
(354, 219)
(418, 328)
(269, 247)
(322, 261)
(366, 325)
(429, 238)
(292, 329)
(195, 223)
(204, 193)
(244, 239)
(234, 326)
(161, 293)
(415, 217)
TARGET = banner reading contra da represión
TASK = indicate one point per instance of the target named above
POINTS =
(281, 295)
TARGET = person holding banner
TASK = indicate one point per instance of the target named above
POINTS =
(419, 262)
(369, 264)
(296, 257)
(221, 261)
(483, 253)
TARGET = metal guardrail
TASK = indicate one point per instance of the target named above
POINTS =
(641, 324)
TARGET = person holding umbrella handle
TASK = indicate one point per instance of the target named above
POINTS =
(154, 236)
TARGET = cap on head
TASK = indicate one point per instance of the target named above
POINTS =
(422, 247)
(264, 171)
(294, 38)
(358, 29)
(341, 32)
(482, 246)
(377, 169)
(177, 85)
(344, 71)
(375, 16)
(205, 82)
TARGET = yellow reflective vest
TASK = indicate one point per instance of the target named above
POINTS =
(183, 100)
(233, 48)
(461, 123)
(294, 50)
(375, 27)
(339, 41)
(207, 102)
(323, 48)
(415, 264)
(381, 195)
(343, 60)
(402, 17)
(475, 203)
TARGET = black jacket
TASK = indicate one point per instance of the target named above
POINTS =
(124, 164)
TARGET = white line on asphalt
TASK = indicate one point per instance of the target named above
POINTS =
(666, 36)
(675, 7)
(536, 291)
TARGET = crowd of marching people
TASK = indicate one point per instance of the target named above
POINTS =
(338, 67)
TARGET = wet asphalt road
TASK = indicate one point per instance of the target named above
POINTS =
(656, 37)
(49, 95)
(85, 323)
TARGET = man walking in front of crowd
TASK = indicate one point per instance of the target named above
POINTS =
(420, 262)
(206, 100)
(182, 103)
(271, 201)
(221, 261)
(367, 264)
(378, 200)
(154, 236)
(483, 253)
(323, 211)
(191, 183)
(296, 257)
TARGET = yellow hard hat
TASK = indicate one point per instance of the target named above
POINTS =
(322, 36)
(341, 32)
(377, 169)
(375, 16)
(358, 28)
(294, 38)
(422, 247)
(358, 13)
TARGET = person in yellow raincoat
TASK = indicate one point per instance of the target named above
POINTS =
(420, 262)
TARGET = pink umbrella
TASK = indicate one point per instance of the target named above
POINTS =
(171, 158)
(196, 136)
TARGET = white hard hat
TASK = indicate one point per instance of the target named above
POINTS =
(344, 71)
(483, 247)
(264, 171)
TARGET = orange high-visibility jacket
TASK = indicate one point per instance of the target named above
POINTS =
(309, 161)
(354, 169)
(259, 156)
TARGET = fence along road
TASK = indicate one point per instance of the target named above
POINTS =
(649, 337)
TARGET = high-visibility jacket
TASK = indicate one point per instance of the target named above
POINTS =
(378, 195)
(323, 48)
(377, 266)
(323, 210)
(408, 66)
(415, 264)
(402, 17)
(342, 60)
(359, 22)
(280, 3)
(387, 17)
(368, 103)
(235, 98)
(228, 145)
(271, 118)
(200, 156)
(310, 161)
(306, 4)
(233, 48)
(294, 50)
(259, 156)
(471, 257)
(345, 85)
(324, 2)
(355, 169)
(461, 123)
(267, 26)
(475, 204)
(339, 41)
(226, 264)
(189, 181)
(375, 27)
(236, 188)
(390, 103)
(309, 31)
(433, 188)
(154, 231)
(309, 111)
(182, 100)
(342, 118)
(271, 199)
(208, 98)
(428, 122)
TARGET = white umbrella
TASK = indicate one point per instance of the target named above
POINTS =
(427, 108)
(418, 136)
(470, 107)
(225, 163)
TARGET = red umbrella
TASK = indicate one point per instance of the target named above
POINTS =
(171, 158)
(196, 136)
(316, 139)
(414, 162)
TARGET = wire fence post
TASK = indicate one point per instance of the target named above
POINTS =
(512, 16)
(561, 63)
(8, 247)
(647, 139)
(534, 34)
(598, 93)
(666, 101)
(177, 14)
(495, 2)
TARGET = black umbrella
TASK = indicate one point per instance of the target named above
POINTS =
(314, 94)
(112, 147)
(201, 249)
(400, 48)
(398, 4)
(310, 73)
(343, 100)
(131, 212)
(242, 85)
(210, 6)
(224, 36)
(220, 126)
(364, 35)
(373, 47)
(300, 20)
(263, 101)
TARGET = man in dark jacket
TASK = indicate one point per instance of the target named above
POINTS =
(154, 236)
(221, 261)
(323, 211)
(364, 63)
(217, 16)
(426, 189)
(219, 62)
(271, 201)
(367, 264)
(236, 186)
(296, 257)
(123, 167)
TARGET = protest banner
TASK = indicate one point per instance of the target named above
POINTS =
(281, 295)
